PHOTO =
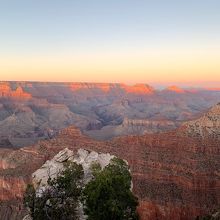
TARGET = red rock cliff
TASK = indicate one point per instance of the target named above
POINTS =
(107, 87)
(6, 91)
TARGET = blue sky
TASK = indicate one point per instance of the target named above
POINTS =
(56, 23)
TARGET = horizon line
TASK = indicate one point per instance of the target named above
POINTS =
(189, 84)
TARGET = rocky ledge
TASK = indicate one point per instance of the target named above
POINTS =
(53, 167)
(206, 126)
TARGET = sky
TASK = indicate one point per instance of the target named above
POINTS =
(129, 41)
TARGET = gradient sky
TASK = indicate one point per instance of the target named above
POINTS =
(130, 41)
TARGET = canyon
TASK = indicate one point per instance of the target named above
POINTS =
(34, 111)
(175, 174)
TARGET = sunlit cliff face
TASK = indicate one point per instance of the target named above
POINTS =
(175, 89)
(6, 91)
(139, 89)
(106, 87)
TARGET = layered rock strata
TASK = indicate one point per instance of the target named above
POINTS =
(176, 175)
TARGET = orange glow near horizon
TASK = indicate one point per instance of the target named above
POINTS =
(160, 66)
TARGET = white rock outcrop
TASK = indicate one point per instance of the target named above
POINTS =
(52, 168)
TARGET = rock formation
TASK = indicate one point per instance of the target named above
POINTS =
(104, 87)
(147, 126)
(53, 167)
(175, 89)
(143, 89)
(32, 111)
(6, 91)
(206, 126)
(108, 87)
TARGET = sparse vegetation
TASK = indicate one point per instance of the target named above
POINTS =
(108, 195)
(60, 199)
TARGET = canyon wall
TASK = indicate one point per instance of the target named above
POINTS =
(32, 111)
(175, 176)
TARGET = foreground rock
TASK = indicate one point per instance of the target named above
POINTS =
(52, 168)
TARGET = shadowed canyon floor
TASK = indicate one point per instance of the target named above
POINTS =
(176, 174)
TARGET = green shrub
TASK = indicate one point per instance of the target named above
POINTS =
(61, 199)
(108, 195)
